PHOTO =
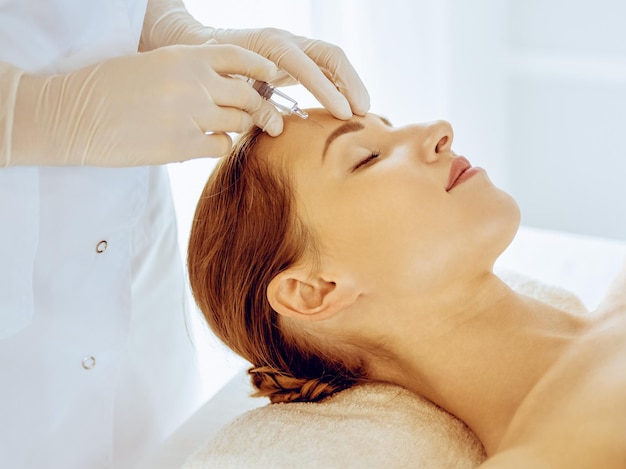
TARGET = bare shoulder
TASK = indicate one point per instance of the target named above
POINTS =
(576, 416)
(525, 457)
(521, 457)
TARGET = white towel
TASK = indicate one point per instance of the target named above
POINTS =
(368, 426)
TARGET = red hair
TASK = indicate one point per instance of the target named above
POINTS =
(244, 233)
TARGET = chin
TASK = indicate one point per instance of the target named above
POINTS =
(502, 227)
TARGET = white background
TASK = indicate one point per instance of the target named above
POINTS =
(535, 90)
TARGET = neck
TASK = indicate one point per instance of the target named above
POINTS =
(480, 361)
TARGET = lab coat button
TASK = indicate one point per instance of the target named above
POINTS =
(89, 362)
(101, 247)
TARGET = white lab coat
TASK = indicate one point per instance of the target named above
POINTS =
(96, 364)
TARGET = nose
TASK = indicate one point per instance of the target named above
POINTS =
(432, 139)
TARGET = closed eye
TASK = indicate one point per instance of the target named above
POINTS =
(366, 161)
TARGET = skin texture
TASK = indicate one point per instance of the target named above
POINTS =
(407, 265)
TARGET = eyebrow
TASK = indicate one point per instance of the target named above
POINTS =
(339, 131)
(347, 128)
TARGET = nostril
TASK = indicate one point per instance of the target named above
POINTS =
(441, 143)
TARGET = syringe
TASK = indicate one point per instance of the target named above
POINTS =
(277, 98)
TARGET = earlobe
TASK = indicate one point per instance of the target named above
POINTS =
(295, 294)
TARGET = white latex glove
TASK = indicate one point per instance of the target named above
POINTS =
(321, 67)
(143, 109)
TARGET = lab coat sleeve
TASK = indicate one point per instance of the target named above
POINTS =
(167, 22)
(18, 240)
(19, 193)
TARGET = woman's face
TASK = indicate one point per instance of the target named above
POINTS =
(379, 203)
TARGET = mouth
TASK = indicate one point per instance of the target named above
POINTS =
(460, 170)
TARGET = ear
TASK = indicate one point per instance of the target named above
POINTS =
(296, 294)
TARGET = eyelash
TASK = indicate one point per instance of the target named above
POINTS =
(367, 161)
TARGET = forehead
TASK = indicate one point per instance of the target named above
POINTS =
(306, 137)
(321, 121)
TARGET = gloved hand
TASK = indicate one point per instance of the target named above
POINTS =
(321, 67)
(144, 109)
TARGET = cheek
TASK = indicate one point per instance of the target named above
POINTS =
(383, 230)
(420, 239)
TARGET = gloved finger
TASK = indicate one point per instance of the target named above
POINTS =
(282, 78)
(235, 60)
(214, 145)
(334, 62)
(236, 93)
(307, 72)
(224, 119)
(268, 118)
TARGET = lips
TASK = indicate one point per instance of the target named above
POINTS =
(460, 165)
